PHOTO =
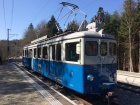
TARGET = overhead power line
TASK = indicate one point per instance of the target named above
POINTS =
(12, 13)
(4, 14)
(65, 15)
(88, 4)
(40, 11)
(53, 13)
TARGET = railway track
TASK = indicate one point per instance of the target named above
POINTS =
(129, 87)
(79, 99)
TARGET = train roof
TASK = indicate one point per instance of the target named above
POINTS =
(90, 33)
(81, 34)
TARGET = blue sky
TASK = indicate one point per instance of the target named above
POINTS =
(34, 11)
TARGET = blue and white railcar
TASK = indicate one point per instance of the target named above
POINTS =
(82, 61)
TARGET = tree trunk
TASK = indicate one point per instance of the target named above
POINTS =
(130, 50)
(124, 66)
(139, 53)
(118, 53)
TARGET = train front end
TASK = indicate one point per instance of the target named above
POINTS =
(100, 64)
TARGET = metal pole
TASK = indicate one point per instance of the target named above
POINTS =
(8, 44)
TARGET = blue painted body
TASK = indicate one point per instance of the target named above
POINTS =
(27, 62)
(74, 76)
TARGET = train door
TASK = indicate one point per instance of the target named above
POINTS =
(29, 58)
(52, 60)
(56, 66)
(59, 64)
(39, 58)
(34, 61)
(45, 59)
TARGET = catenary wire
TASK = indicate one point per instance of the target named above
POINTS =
(40, 11)
(53, 13)
(88, 5)
(65, 15)
(12, 13)
(4, 14)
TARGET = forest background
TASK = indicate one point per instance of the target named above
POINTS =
(125, 26)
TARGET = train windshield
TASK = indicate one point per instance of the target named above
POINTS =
(103, 48)
(91, 48)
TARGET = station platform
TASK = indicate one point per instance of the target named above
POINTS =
(17, 88)
(128, 77)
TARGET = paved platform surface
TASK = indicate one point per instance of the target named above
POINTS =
(128, 77)
(20, 87)
(16, 90)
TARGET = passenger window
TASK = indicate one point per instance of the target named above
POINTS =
(26, 53)
(45, 55)
(53, 52)
(23, 53)
(39, 52)
(71, 52)
(103, 48)
(35, 53)
(30, 53)
(91, 48)
(112, 49)
(58, 52)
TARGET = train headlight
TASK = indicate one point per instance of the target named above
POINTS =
(90, 77)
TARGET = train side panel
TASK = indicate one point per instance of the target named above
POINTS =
(73, 77)
(68, 75)
(34, 64)
(45, 68)
(27, 62)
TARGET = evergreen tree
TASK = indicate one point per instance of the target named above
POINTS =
(107, 23)
(51, 27)
(92, 19)
(83, 27)
(112, 23)
(31, 27)
(41, 29)
(29, 35)
(73, 26)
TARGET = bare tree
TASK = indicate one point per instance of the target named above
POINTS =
(129, 22)
(138, 28)
(41, 29)
(139, 53)
(29, 35)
